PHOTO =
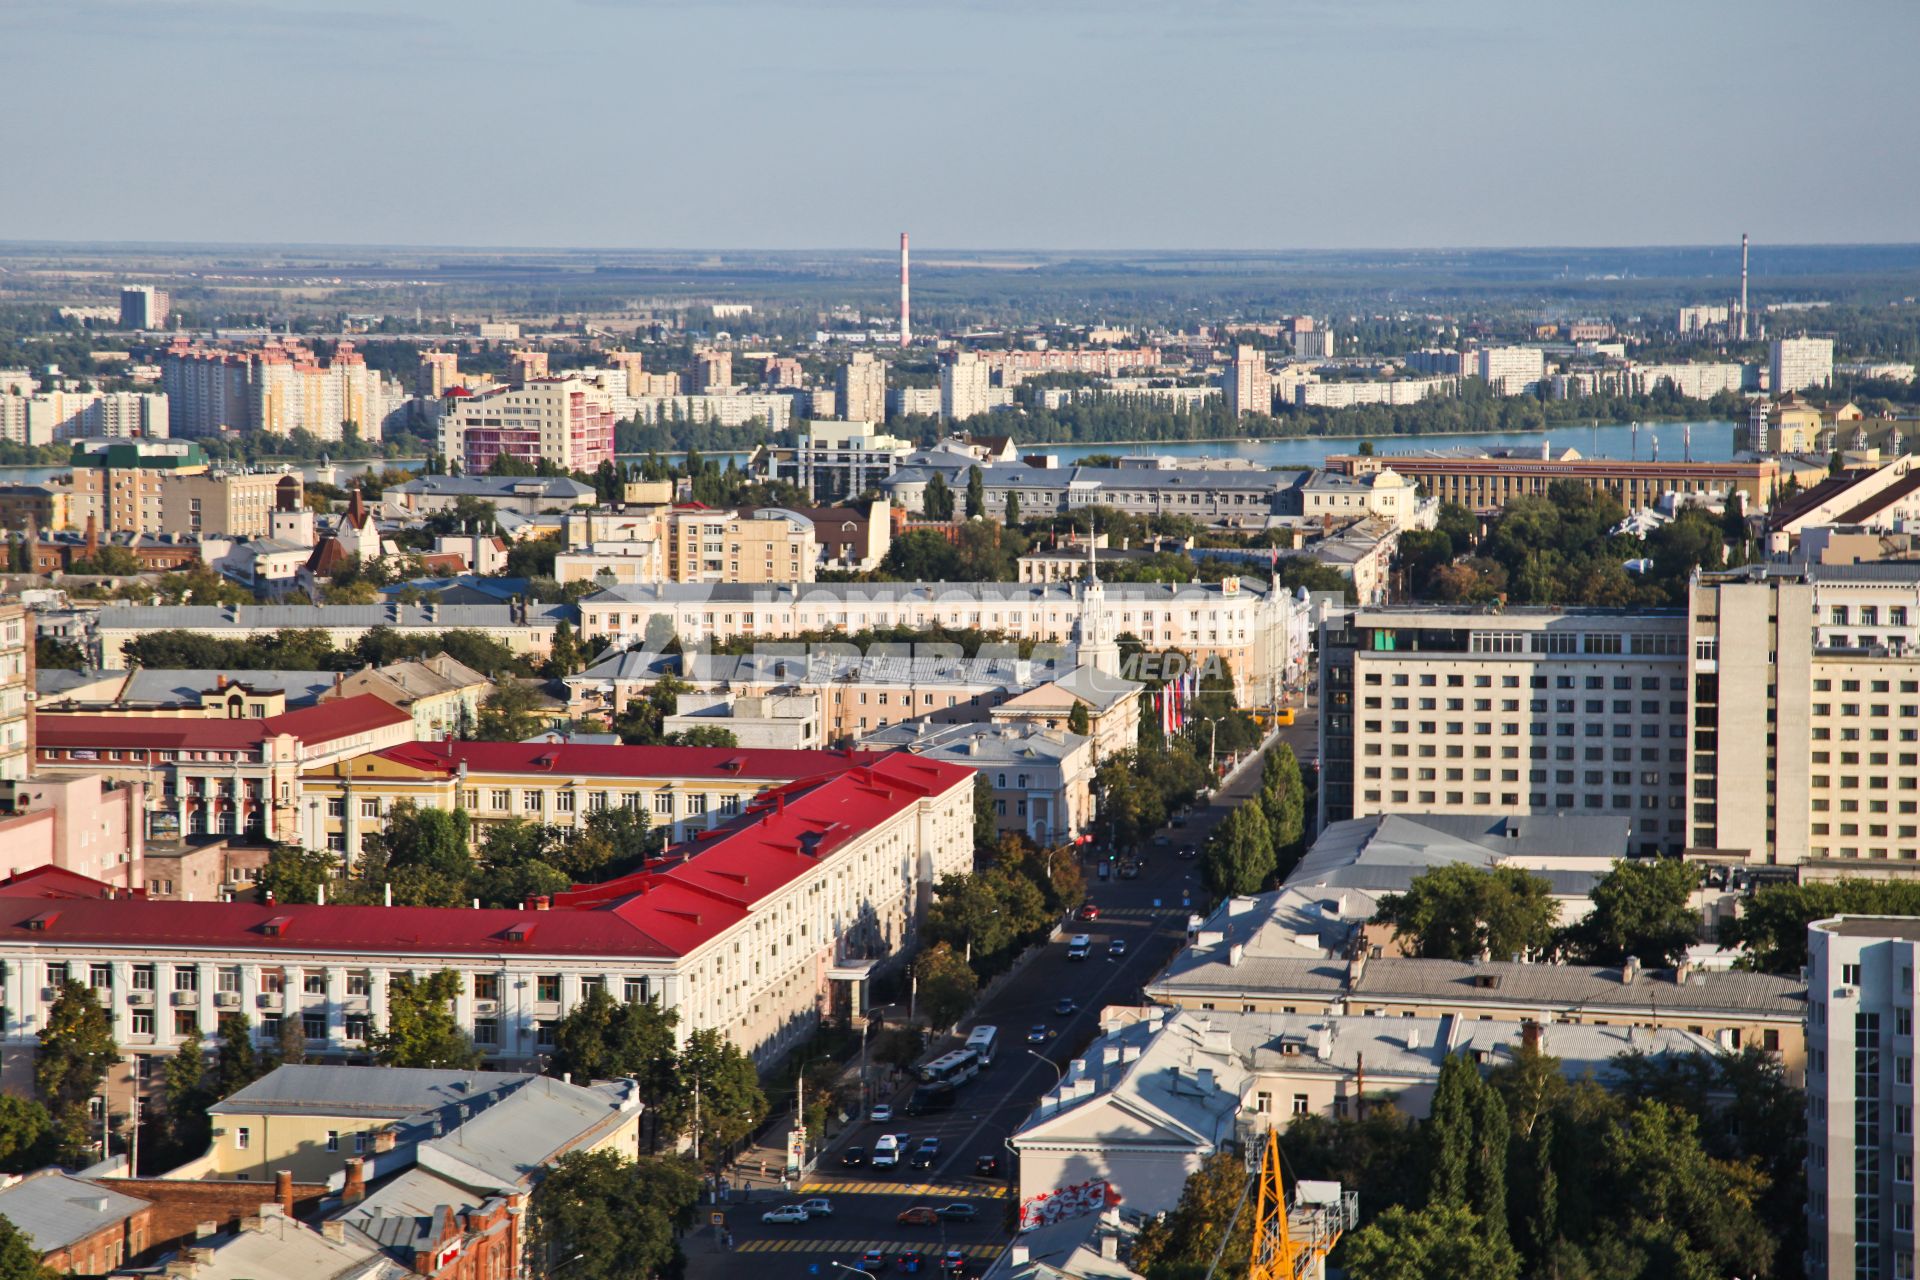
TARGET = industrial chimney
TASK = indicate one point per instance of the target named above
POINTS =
(1743, 280)
(906, 329)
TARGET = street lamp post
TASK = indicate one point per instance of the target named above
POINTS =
(1059, 1072)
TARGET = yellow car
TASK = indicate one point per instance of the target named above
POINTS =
(1283, 716)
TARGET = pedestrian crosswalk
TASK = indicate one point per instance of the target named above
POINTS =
(854, 1248)
(918, 1190)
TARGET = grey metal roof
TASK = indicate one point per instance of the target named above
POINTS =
(565, 487)
(1902, 927)
(505, 1145)
(1583, 986)
(175, 684)
(828, 593)
(54, 1209)
(391, 1092)
(397, 1216)
(869, 668)
(1101, 689)
(208, 617)
(1386, 852)
(978, 746)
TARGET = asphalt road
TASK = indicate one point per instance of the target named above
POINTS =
(1149, 915)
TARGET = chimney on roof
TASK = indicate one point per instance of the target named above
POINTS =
(543, 903)
(1629, 971)
(1530, 1034)
(356, 1189)
(383, 1141)
(1110, 1245)
(1018, 1255)
(283, 1189)
(220, 681)
(335, 1230)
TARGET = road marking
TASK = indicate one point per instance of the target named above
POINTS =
(921, 1190)
(930, 1249)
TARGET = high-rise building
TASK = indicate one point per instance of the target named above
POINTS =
(1794, 364)
(965, 386)
(1511, 371)
(862, 386)
(1860, 1097)
(633, 364)
(49, 417)
(1247, 384)
(528, 365)
(438, 371)
(1313, 344)
(16, 683)
(207, 389)
(144, 307)
(712, 372)
(1702, 318)
(279, 387)
(566, 421)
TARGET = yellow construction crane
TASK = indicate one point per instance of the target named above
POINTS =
(1290, 1241)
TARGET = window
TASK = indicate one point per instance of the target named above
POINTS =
(100, 976)
(143, 1022)
(333, 1139)
(1299, 1104)
(185, 1022)
(358, 1025)
(369, 807)
(314, 982)
(486, 986)
(530, 802)
(186, 978)
(548, 987)
(358, 984)
(500, 800)
(313, 1026)
(563, 802)
(243, 1137)
(663, 803)
(143, 977)
(543, 1034)
(636, 991)
(486, 1031)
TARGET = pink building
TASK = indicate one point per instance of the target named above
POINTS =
(87, 824)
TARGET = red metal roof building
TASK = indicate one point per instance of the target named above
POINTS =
(754, 928)
(207, 775)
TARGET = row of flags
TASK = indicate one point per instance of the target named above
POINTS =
(1173, 701)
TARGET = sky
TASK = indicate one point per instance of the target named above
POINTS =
(975, 124)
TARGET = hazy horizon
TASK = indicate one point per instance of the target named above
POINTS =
(1070, 126)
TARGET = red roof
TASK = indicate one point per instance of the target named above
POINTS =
(624, 762)
(651, 914)
(49, 881)
(336, 719)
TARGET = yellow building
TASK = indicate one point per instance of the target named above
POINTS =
(724, 546)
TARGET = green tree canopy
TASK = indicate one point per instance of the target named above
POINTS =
(598, 1216)
(1440, 1242)
(1181, 1244)
(19, 1260)
(1640, 908)
(76, 1051)
(1457, 912)
(1772, 928)
(1240, 858)
(421, 1030)
(947, 984)
(727, 1088)
(976, 493)
(937, 503)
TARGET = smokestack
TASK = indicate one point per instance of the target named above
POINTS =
(906, 329)
(1743, 284)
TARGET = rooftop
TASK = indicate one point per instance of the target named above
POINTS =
(570, 759)
(830, 593)
(343, 718)
(977, 746)
(495, 487)
(55, 1210)
(274, 617)
(1905, 928)
(1385, 852)
(392, 1093)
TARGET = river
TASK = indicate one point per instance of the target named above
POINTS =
(1712, 442)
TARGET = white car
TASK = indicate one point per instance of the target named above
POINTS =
(881, 1113)
(785, 1213)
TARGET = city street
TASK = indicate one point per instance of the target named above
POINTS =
(1150, 914)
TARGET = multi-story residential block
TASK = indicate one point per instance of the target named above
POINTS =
(524, 628)
(48, 417)
(913, 402)
(1485, 484)
(278, 387)
(862, 388)
(1247, 385)
(516, 495)
(565, 421)
(1794, 364)
(1384, 495)
(834, 461)
(713, 372)
(168, 489)
(966, 384)
(766, 545)
(34, 508)
(1313, 344)
(219, 777)
(1107, 362)
(754, 933)
(1215, 495)
(143, 307)
(1511, 371)
(772, 410)
(442, 694)
(1309, 393)
(1695, 381)
(1432, 709)
(16, 691)
(682, 790)
(528, 365)
(439, 372)
(207, 389)
(1861, 1097)
(1700, 319)
(1245, 625)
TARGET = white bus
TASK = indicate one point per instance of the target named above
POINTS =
(981, 1040)
(957, 1067)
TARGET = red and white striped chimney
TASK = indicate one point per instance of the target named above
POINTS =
(906, 329)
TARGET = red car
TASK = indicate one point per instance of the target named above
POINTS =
(921, 1215)
(1089, 912)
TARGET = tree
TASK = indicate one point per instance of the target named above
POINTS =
(510, 713)
(1773, 927)
(706, 735)
(19, 1259)
(937, 504)
(604, 1039)
(1013, 510)
(985, 826)
(947, 985)
(976, 493)
(1182, 1243)
(1641, 908)
(24, 1125)
(1239, 858)
(52, 653)
(420, 1030)
(1440, 1242)
(563, 655)
(1078, 721)
(720, 1087)
(294, 874)
(423, 854)
(290, 1035)
(188, 1129)
(1283, 796)
(599, 1216)
(235, 1064)
(1458, 912)
(1693, 1216)
(76, 1051)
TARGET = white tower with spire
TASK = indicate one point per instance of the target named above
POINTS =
(1094, 641)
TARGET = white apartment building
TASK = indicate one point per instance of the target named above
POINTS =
(838, 460)
(52, 416)
(1245, 625)
(16, 652)
(291, 391)
(1700, 319)
(1860, 1097)
(1462, 710)
(1313, 344)
(755, 934)
(775, 412)
(1796, 363)
(1246, 383)
(861, 387)
(1695, 381)
(567, 421)
(1340, 395)
(1511, 371)
(966, 386)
